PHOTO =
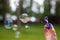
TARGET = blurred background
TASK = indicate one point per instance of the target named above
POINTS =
(36, 8)
(28, 17)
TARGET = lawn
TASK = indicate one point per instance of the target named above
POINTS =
(34, 33)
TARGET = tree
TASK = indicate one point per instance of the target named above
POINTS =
(0, 7)
(47, 8)
(19, 11)
(31, 2)
(4, 3)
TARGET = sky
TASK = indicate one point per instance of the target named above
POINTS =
(39, 1)
(35, 6)
(13, 6)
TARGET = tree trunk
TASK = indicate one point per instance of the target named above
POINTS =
(19, 11)
(4, 2)
(31, 2)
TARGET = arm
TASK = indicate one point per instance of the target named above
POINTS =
(54, 32)
(53, 29)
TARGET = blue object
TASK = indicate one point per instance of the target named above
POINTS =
(17, 34)
(48, 25)
(7, 22)
(46, 18)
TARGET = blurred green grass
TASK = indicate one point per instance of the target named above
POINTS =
(34, 33)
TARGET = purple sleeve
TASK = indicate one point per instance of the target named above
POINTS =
(48, 25)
